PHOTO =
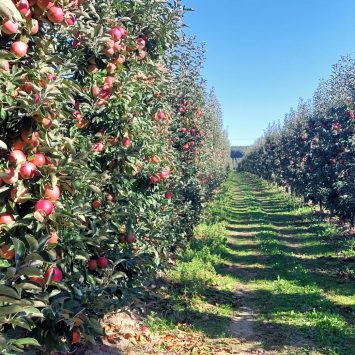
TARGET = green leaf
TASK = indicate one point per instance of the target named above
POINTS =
(8, 291)
(21, 303)
(4, 264)
(95, 189)
(28, 286)
(33, 257)
(20, 248)
(4, 188)
(30, 271)
(21, 322)
(25, 341)
(32, 242)
(5, 310)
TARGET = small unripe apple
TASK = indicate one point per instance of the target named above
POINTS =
(34, 26)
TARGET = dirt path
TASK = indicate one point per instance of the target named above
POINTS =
(254, 336)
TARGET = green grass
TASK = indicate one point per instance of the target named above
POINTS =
(296, 270)
(195, 292)
(301, 288)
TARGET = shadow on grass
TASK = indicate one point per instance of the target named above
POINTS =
(250, 229)
(272, 334)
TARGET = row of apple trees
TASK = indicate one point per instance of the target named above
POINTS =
(109, 147)
(313, 152)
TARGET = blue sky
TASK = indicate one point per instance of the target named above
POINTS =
(263, 55)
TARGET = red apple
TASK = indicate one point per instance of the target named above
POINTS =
(11, 178)
(6, 218)
(155, 160)
(161, 115)
(51, 193)
(92, 265)
(23, 6)
(53, 238)
(116, 33)
(76, 336)
(123, 31)
(168, 195)
(9, 27)
(55, 14)
(69, 19)
(154, 179)
(27, 170)
(95, 91)
(126, 142)
(96, 204)
(17, 156)
(39, 160)
(109, 81)
(19, 49)
(131, 238)
(57, 274)
(44, 207)
(7, 254)
(102, 262)
(45, 4)
(98, 147)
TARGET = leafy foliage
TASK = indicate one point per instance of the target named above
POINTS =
(109, 147)
(312, 153)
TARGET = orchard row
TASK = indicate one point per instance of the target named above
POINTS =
(313, 152)
(110, 146)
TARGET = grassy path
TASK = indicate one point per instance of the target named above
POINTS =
(293, 286)
(263, 276)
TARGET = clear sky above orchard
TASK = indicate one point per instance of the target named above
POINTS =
(262, 55)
